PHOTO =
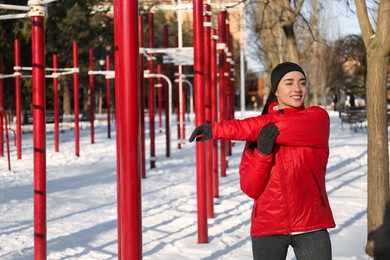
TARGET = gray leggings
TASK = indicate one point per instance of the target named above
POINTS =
(307, 246)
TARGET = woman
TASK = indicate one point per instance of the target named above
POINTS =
(283, 169)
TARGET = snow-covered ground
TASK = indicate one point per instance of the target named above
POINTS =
(81, 200)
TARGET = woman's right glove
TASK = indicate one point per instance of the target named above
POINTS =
(202, 133)
(266, 139)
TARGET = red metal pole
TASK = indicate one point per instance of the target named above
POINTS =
(76, 98)
(131, 241)
(108, 98)
(1, 107)
(142, 94)
(166, 97)
(214, 108)
(151, 93)
(18, 100)
(228, 86)
(3, 114)
(229, 74)
(182, 110)
(178, 88)
(39, 134)
(200, 119)
(232, 79)
(91, 97)
(208, 87)
(159, 98)
(117, 61)
(55, 91)
(222, 82)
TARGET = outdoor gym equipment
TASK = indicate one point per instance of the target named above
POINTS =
(109, 75)
(127, 79)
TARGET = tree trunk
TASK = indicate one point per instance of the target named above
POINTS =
(378, 244)
(291, 43)
(378, 197)
(67, 101)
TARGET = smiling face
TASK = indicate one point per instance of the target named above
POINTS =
(291, 91)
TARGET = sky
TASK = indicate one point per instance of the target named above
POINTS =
(81, 199)
(346, 21)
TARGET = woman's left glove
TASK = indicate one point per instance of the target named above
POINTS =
(266, 139)
(204, 130)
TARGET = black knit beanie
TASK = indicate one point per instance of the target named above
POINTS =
(280, 70)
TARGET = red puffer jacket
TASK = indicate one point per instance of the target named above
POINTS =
(288, 185)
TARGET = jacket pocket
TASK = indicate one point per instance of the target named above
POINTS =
(320, 191)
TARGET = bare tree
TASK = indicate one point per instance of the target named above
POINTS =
(278, 26)
(313, 53)
(273, 28)
(378, 51)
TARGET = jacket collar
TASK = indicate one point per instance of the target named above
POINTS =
(273, 108)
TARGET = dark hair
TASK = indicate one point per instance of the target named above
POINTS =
(271, 98)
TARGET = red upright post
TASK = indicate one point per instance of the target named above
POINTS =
(3, 121)
(128, 91)
(222, 82)
(228, 86)
(159, 98)
(118, 82)
(108, 97)
(182, 109)
(91, 97)
(142, 94)
(39, 133)
(214, 108)
(232, 78)
(200, 119)
(228, 72)
(1, 107)
(151, 93)
(208, 86)
(55, 92)
(178, 91)
(4, 115)
(166, 98)
(76, 98)
(18, 100)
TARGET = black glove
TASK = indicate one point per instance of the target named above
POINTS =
(266, 139)
(204, 130)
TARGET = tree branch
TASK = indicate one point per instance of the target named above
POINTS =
(383, 26)
(364, 21)
(299, 7)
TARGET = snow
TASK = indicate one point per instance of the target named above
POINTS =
(81, 199)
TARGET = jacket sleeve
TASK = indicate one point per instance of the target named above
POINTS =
(309, 127)
(241, 130)
(254, 171)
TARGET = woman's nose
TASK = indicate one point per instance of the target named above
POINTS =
(297, 87)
